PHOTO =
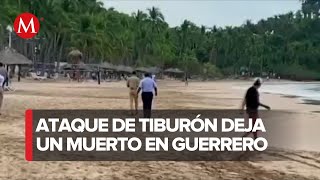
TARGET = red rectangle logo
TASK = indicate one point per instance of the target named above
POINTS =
(28, 135)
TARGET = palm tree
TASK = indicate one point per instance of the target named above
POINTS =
(140, 35)
(156, 18)
(146, 39)
(310, 7)
(183, 36)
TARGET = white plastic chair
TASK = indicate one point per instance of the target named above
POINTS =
(36, 77)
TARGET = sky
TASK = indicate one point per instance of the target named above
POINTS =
(209, 12)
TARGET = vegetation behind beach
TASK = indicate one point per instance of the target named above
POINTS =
(287, 44)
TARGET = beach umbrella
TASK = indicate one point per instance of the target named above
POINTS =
(125, 69)
(178, 71)
(81, 66)
(10, 56)
(142, 69)
(174, 70)
(75, 53)
(168, 70)
(75, 56)
(154, 70)
(108, 66)
(84, 67)
(129, 69)
(67, 67)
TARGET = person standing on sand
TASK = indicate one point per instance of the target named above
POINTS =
(2, 80)
(133, 84)
(154, 77)
(4, 74)
(186, 80)
(147, 86)
(252, 103)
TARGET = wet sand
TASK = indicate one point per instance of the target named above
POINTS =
(299, 162)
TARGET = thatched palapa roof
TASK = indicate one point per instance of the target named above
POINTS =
(154, 70)
(81, 66)
(142, 69)
(67, 67)
(174, 70)
(107, 66)
(75, 56)
(10, 56)
(75, 53)
(125, 69)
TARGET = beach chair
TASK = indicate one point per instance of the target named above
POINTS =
(36, 77)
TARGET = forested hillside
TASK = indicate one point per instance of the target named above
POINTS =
(287, 44)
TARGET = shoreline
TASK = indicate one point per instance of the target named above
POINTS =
(289, 89)
(244, 80)
(305, 101)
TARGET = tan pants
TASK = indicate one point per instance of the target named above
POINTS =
(133, 98)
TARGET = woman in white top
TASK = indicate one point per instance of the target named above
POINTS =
(2, 79)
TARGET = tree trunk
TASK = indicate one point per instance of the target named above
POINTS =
(60, 53)
(47, 57)
(19, 73)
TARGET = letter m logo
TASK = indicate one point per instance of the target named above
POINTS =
(31, 24)
(26, 25)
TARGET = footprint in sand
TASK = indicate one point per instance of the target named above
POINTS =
(289, 167)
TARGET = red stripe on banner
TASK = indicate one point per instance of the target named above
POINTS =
(28, 135)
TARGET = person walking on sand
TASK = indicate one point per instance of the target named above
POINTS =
(2, 80)
(133, 84)
(147, 86)
(186, 83)
(4, 74)
(252, 103)
(154, 77)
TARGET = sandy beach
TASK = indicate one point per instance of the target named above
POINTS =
(301, 160)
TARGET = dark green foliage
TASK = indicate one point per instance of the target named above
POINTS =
(288, 44)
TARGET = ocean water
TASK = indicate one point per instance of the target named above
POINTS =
(308, 92)
(304, 91)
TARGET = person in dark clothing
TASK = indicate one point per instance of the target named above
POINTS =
(147, 86)
(252, 104)
(186, 80)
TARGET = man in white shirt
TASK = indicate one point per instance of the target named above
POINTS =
(4, 74)
(2, 79)
(147, 86)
